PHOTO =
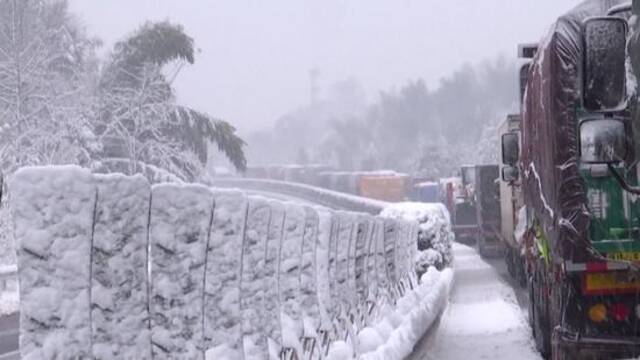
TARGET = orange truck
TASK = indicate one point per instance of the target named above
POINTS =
(391, 188)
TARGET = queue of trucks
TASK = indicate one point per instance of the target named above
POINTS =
(568, 217)
(475, 208)
(563, 206)
(385, 185)
(568, 186)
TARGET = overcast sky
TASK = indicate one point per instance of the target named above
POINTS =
(256, 54)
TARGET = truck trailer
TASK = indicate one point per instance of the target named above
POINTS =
(578, 164)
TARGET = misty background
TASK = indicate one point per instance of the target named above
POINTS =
(159, 86)
(173, 90)
(414, 86)
(255, 56)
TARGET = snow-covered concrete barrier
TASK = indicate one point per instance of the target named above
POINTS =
(434, 234)
(180, 221)
(222, 316)
(253, 280)
(111, 267)
(119, 282)
(53, 213)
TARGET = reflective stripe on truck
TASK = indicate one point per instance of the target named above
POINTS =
(570, 266)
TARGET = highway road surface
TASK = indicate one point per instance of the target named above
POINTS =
(9, 337)
(486, 316)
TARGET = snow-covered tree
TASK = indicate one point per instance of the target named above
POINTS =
(45, 77)
(139, 122)
(57, 107)
(428, 133)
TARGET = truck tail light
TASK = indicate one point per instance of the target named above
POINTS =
(598, 313)
(620, 312)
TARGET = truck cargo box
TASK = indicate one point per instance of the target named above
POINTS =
(386, 188)
(428, 192)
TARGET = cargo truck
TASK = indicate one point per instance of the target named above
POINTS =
(511, 198)
(511, 202)
(578, 163)
(465, 218)
(487, 205)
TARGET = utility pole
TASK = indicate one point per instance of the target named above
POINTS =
(314, 74)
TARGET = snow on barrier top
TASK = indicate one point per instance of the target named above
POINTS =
(328, 198)
(111, 267)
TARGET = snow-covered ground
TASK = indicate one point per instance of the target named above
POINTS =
(395, 334)
(483, 319)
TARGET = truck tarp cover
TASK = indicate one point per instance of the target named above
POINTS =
(550, 134)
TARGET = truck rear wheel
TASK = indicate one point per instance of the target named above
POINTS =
(521, 273)
(515, 266)
(560, 353)
(480, 246)
(561, 295)
(538, 318)
(509, 260)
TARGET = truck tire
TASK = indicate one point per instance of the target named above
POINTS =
(560, 353)
(521, 273)
(538, 318)
(531, 313)
(559, 294)
(480, 245)
(509, 260)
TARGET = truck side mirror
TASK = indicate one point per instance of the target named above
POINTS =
(510, 149)
(524, 77)
(510, 174)
(604, 74)
(603, 141)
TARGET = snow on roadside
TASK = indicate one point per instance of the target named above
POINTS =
(482, 320)
(395, 334)
(399, 327)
